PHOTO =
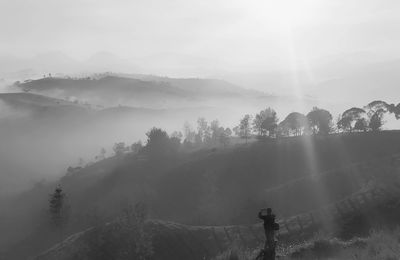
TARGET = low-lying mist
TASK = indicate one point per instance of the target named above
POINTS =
(48, 128)
(39, 142)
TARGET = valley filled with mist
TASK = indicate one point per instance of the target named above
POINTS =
(199, 130)
(199, 152)
(66, 120)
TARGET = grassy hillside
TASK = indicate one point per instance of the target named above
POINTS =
(143, 91)
(60, 132)
(33, 103)
(220, 186)
(370, 209)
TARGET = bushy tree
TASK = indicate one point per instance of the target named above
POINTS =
(176, 134)
(202, 126)
(224, 136)
(137, 147)
(344, 124)
(215, 131)
(119, 149)
(265, 122)
(361, 125)
(159, 144)
(320, 121)
(349, 117)
(376, 120)
(244, 129)
(188, 133)
(377, 109)
(295, 123)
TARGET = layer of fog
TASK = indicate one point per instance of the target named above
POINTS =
(36, 147)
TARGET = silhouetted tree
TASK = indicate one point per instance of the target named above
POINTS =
(120, 148)
(236, 130)
(376, 120)
(175, 140)
(202, 126)
(159, 144)
(177, 135)
(379, 105)
(377, 109)
(295, 122)
(344, 123)
(188, 133)
(207, 138)
(396, 110)
(361, 125)
(58, 209)
(215, 131)
(320, 121)
(136, 147)
(265, 122)
(244, 127)
(224, 136)
(349, 117)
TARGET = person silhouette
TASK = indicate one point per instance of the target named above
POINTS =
(270, 226)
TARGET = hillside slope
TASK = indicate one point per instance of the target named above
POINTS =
(149, 91)
(222, 186)
(345, 218)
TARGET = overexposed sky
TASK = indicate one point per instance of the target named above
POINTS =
(230, 34)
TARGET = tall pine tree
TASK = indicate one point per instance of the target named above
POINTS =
(58, 209)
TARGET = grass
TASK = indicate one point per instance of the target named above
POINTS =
(380, 245)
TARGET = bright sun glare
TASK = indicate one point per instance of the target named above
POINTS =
(284, 14)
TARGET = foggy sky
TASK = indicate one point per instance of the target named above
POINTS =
(219, 34)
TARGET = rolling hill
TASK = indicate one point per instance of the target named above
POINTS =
(224, 186)
(140, 90)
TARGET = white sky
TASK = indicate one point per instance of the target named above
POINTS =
(250, 30)
(220, 35)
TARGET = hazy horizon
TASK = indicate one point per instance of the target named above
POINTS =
(272, 46)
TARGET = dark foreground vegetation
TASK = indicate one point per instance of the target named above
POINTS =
(212, 176)
(196, 186)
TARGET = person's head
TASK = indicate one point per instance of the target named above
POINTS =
(269, 211)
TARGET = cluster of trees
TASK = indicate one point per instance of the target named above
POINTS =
(160, 144)
(265, 124)
(317, 121)
(369, 118)
(262, 125)
(207, 133)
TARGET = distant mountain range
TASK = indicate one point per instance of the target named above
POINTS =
(140, 90)
(58, 63)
